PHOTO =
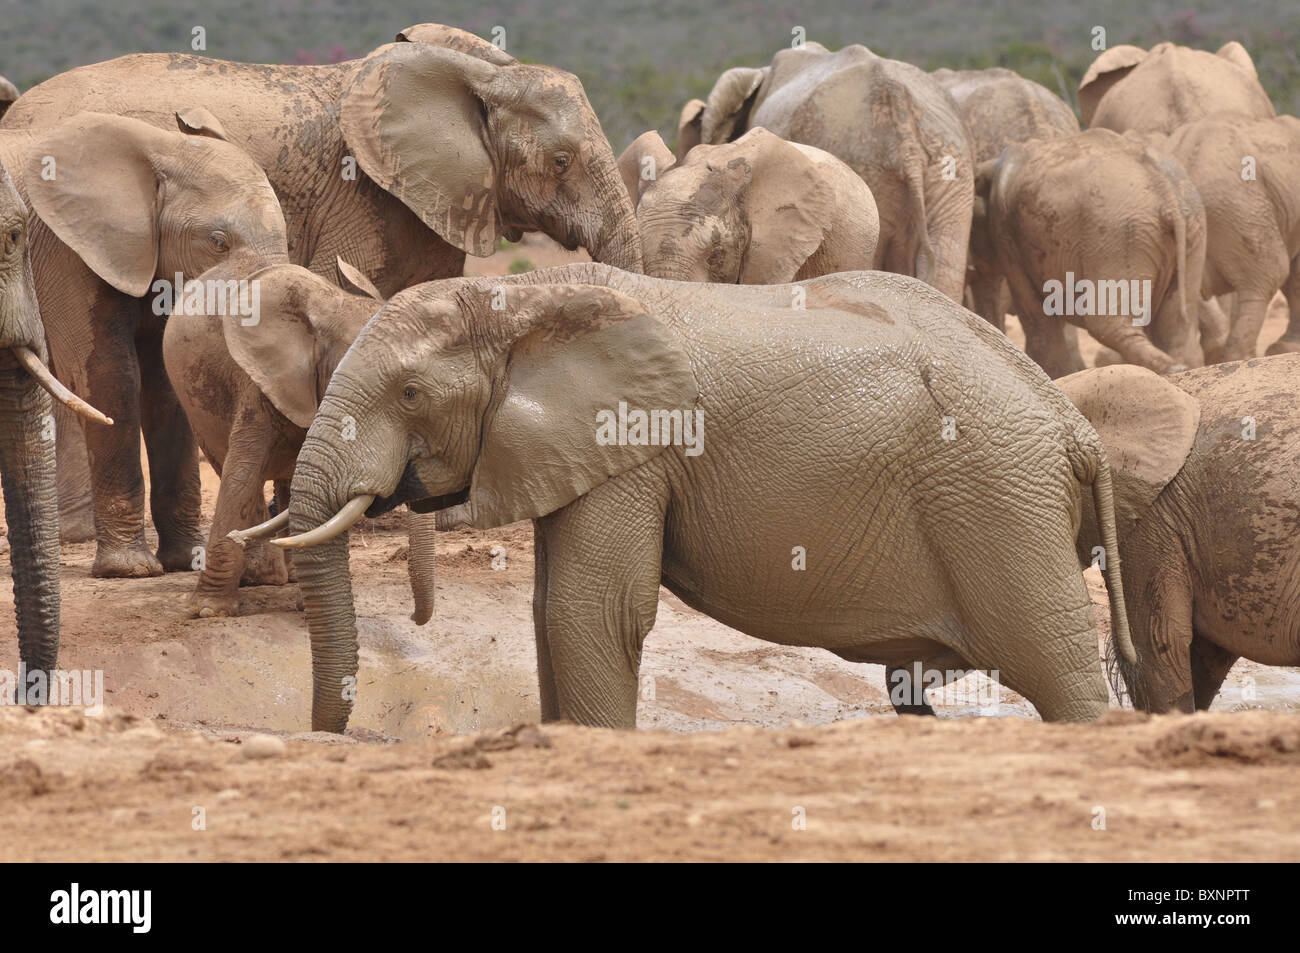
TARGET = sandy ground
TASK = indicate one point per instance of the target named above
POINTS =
(747, 750)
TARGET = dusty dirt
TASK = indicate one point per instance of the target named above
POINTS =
(743, 743)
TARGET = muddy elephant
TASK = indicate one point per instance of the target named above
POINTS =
(1097, 230)
(1207, 500)
(1157, 90)
(999, 107)
(759, 210)
(657, 431)
(27, 444)
(400, 163)
(123, 208)
(250, 389)
(1247, 172)
(890, 122)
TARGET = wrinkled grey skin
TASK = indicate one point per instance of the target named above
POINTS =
(1207, 510)
(26, 447)
(1105, 208)
(890, 122)
(905, 533)
(999, 107)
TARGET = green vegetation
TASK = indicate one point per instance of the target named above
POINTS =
(640, 60)
(520, 265)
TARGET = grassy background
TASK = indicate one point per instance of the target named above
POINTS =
(641, 59)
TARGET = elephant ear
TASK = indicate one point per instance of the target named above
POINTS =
(413, 115)
(729, 103)
(1236, 54)
(354, 279)
(1147, 425)
(576, 353)
(279, 351)
(634, 169)
(91, 179)
(689, 126)
(197, 121)
(790, 201)
(8, 93)
(448, 37)
(1106, 70)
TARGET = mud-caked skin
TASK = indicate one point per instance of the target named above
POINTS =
(1102, 209)
(892, 123)
(1207, 496)
(756, 211)
(821, 505)
(999, 107)
(119, 205)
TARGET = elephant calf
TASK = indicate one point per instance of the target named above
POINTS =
(757, 211)
(249, 386)
(1207, 500)
(836, 480)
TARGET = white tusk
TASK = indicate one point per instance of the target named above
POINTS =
(334, 526)
(276, 523)
(32, 364)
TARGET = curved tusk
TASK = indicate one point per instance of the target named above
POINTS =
(276, 523)
(334, 526)
(33, 366)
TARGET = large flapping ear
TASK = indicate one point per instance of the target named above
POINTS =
(280, 349)
(643, 162)
(1238, 56)
(197, 121)
(1106, 70)
(729, 103)
(689, 133)
(448, 37)
(1146, 424)
(790, 202)
(354, 279)
(413, 115)
(92, 180)
(577, 354)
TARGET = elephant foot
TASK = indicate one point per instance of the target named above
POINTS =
(1106, 357)
(1283, 346)
(211, 605)
(125, 562)
(267, 571)
(179, 556)
(77, 526)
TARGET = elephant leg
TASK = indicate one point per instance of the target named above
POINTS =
(117, 480)
(1210, 666)
(1289, 342)
(906, 699)
(1119, 333)
(1214, 329)
(602, 566)
(1248, 312)
(174, 488)
(1046, 344)
(76, 504)
(990, 298)
(545, 671)
(281, 501)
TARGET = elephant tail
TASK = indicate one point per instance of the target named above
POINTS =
(1104, 501)
(1180, 243)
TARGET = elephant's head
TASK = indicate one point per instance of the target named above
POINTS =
(467, 389)
(1148, 427)
(750, 212)
(726, 112)
(137, 203)
(481, 146)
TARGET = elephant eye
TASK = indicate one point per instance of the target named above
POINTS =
(219, 241)
(561, 162)
(12, 240)
(409, 393)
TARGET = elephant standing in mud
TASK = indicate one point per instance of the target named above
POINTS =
(788, 476)
(250, 388)
(892, 123)
(756, 211)
(1098, 230)
(1207, 502)
(121, 206)
(27, 441)
(401, 163)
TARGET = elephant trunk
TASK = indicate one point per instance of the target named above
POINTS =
(326, 589)
(615, 239)
(420, 562)
(32, 511)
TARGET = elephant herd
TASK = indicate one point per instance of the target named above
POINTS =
(264, 264)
